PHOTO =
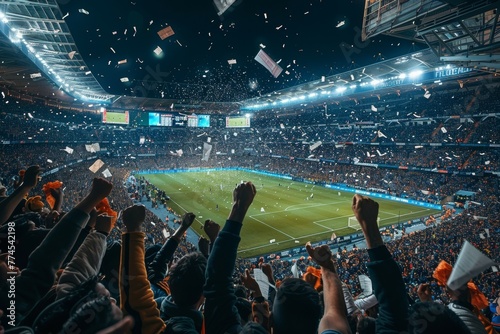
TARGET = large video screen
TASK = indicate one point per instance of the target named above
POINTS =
(174, 119)
(238, 122)
(154, 119)
(112, 117)
(198, 121)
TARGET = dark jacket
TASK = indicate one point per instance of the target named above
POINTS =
(39, 275)
(221, 314)
(389, 289)
(170, 310)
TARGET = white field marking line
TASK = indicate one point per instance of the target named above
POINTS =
(406, 214)
(288, 210)
(333, 218)
(307, 206)
(314, 234)
(274, 228)
(304, 236)
(329, 229)
(324, 220)
(185, 211)
(389, 213)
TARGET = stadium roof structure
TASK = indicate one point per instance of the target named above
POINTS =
(458, 31)
(414, 69)
(38, 29)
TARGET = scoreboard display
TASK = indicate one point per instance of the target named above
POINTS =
(173, 120)
(238, 122)
(111, 117)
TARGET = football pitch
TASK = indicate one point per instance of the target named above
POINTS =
(287, 211)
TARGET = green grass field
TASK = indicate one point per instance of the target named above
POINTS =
(282, 210)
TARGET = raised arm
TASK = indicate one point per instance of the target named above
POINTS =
(39, 275)
(335, 313)
(136, 297)
(388, 284)
(158, 268)
(8, 205)
(221, 315)
(88, 258)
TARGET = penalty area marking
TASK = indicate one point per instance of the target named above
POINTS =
(324, 232)
(307, 206)
(274, 228)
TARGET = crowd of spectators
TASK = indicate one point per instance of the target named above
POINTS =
(109, 261)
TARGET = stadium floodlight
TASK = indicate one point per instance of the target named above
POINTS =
(285, 100)
(312, 95)
(301, 97)
(324, 92)
(353, 86)
(415, 74)
(402, 76)
(375, 82)
(340, 90)
(3, 17)
(248, 115)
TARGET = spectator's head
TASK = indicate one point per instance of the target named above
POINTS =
(187, 278)
(296, 308)
(366, 325)
(244, 310)
(93, 316)
(240, 291)
(430, 317)
(253, 328)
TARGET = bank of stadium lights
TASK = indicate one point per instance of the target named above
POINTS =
(3, 18)
(415, 74)
(306, 98)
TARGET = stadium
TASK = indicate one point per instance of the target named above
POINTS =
(322, 107)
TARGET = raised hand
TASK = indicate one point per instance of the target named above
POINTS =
(133, 217)
(31, 176)
(250, 283)
(204, 246)
(188, 220)
(243, 196)
(104, 223)
(212, 229)
(424, 292)
(268, 270)
(101, 188)
(322, 255)
(366, 211)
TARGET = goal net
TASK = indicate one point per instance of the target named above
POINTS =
(353, 223)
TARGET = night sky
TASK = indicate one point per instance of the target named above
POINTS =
(302, 35)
